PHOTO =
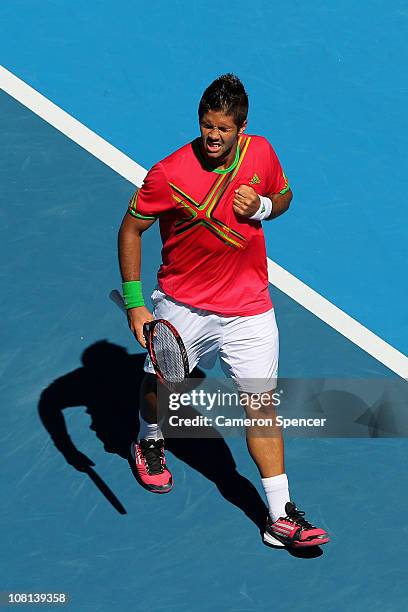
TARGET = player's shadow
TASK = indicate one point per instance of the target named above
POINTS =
(107, 385)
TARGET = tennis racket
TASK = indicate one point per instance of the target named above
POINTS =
(165, 346)
(167, 351)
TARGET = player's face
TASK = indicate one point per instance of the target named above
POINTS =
(219, 136)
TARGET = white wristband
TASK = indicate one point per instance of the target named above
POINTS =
(264, 210)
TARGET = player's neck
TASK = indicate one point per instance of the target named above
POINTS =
(221, 165)
(228, 161)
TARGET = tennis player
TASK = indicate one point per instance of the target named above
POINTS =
(211, 197)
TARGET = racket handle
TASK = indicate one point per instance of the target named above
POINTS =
(146, 332)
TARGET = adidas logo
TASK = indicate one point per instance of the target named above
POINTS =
(255, 180)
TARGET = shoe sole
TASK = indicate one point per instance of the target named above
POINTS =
(271, 540)
(274, 542)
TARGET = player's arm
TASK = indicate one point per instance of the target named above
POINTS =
(280, 203)
(130, 257)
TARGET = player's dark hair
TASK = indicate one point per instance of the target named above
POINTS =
(226, 94)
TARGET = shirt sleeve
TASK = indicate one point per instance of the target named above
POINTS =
(277, 180)
(153, 198)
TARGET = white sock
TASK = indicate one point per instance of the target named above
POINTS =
(277, 494)
(149, 431)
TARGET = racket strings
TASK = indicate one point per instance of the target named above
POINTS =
(168, 354)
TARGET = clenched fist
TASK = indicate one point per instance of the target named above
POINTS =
(246, 201)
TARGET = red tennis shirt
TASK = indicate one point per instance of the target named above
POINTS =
(212, 259)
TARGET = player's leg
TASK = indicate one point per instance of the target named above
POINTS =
(201, 342)
(149, 425)
(249, 354)
(264, 439)
(266, 447)
(148, 460)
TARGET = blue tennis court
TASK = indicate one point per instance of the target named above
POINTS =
(327, 88)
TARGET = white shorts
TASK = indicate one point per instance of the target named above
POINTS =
(248, 347)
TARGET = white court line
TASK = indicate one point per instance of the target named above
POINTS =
(71, 127)
(338, 319)
(283, 280)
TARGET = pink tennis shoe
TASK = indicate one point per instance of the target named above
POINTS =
(149, 466)
(293, 530)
